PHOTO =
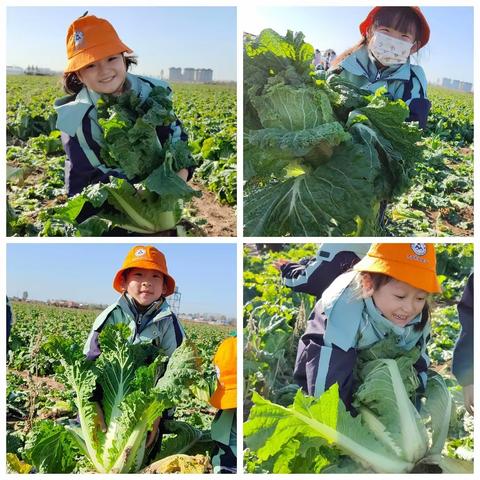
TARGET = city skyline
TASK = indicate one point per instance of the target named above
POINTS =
(196, 37)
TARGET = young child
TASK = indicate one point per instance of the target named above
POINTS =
(382, 57)
(98, 63)
(143, 282)
(394, 281)
(224, 425)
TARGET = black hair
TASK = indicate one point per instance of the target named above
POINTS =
(403, 19)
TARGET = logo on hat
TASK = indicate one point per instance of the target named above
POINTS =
(140, 252)
(78, 38)
(419, 248)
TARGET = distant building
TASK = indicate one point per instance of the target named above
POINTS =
(190, 75)
(175, 74)
(456, 85)
(13, 70)
(203, 75)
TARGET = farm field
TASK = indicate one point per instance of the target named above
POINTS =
(35, 394)
(35, 157)
(275, 317)
(440, 199)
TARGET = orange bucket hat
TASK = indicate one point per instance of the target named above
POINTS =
(225, 361)
(145, 257)
(412, 263)
(90, 39)
(368, 22)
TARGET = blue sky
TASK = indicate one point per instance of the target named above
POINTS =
(448, 54)
(205, 273)
(162, 37)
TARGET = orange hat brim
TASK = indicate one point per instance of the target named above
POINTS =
(169, 281)
(224, 399)
(367, 23)
(94, 54)
(401, 271)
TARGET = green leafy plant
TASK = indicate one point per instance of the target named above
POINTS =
(133, 398)
(320, 154)
(387, 436)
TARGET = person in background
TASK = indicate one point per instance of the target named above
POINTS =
(224, 425)
(314, 275)
(462, 364)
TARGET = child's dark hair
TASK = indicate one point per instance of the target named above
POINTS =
(403, 19)
(380, 279)
(72, 84)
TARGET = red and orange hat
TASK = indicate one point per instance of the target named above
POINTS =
(225, 361)
(145, 257)
(90, 39)
(412, 263)
(368, 22)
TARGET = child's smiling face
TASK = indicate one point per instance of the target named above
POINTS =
(105, 76)
(144, 285)
(398, 301)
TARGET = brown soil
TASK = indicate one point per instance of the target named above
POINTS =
(39, 381)
(221, 219)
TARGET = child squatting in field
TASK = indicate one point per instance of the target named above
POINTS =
(385, 295)
(390, 35)
(143, 282)
(98, 63)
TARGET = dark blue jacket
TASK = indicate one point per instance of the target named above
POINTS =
(314, 275)
(462, 364)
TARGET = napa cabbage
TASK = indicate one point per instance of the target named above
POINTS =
(320, 154)
(137, 389)
(388, 435)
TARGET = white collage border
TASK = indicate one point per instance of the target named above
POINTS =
(242, 9)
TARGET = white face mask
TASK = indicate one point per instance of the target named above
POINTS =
(388, 50)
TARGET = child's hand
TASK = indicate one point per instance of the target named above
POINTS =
(153, 432)
(183, 174)
(279, 263)
(100, 419)
(468, 398)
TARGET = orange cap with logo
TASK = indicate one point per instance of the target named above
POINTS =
(412, 263)
(145, 257)
(90, 39)
(225, 361)
(368, 22)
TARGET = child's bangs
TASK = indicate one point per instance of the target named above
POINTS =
(402, 19)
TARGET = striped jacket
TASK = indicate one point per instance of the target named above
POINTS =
(158, 324)
(406, 82)
(82, 135)
(340, 325)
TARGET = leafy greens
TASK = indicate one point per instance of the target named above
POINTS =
(321, 154)
(387, 436)
(135, 394)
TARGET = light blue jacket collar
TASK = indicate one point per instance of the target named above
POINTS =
(359, 63)
(72, 109)
(345, 311)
